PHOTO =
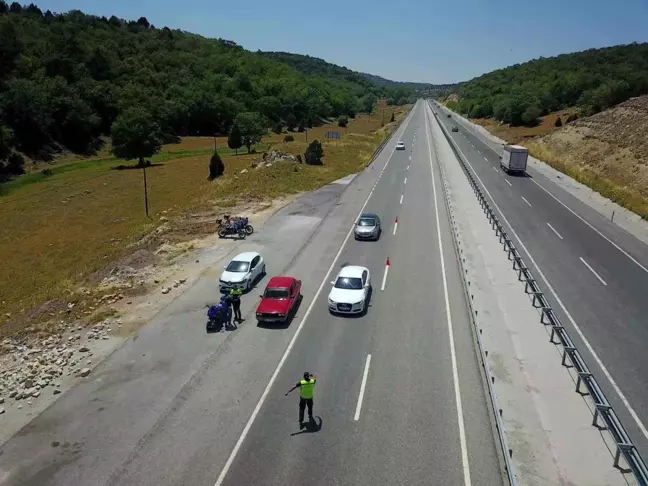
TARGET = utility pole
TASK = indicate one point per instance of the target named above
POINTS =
(145, 190)
(383, 115)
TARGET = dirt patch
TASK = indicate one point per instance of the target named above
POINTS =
(514, 135)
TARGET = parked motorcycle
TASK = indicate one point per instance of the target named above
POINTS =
(244, 221)
(228, 228)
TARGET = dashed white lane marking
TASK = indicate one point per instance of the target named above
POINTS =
(495, 169)
(554, 230)
(362, 388)
(592, 270)
(524, 199)
(401, 199)
(508, 183)
(255, 412)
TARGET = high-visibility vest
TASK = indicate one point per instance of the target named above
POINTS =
(307, 388)
(236, 294)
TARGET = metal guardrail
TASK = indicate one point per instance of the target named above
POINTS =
(603, 409)
(497, 411)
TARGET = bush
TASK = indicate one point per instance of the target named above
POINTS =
(314, 153)
(216, 166)
(530, 115)
(47, 172)
(278, 128)
(393, 118)
(291, 121)
(558, 122)
(289, 138)
(343, 121)
(301, 127)
(299, 159)
(572, 117)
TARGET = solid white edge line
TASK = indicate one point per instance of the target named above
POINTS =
(362, 388)
(524, 199)
(592, 227)
(401, 199)
(508, 183)
(453, 354)
(384, 280)
(395, 226)
(248, 425)
(589, 347)
(554, 230)
(592, 270)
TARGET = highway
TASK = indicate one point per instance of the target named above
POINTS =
(173, 406)
(594, 273)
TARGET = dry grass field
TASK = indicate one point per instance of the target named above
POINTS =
(57, 230)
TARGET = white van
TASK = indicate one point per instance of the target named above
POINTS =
(514, 158)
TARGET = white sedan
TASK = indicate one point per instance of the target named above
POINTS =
(400, 146)
(351, 291)
(243, 272)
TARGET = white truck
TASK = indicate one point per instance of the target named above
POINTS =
(514, 158)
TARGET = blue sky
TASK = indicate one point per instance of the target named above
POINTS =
(408, 40)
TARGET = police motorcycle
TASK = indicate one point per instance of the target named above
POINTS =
(228, 227)
(219, 315)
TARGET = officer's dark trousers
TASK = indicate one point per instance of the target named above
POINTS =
(303, 402)
(237, 310)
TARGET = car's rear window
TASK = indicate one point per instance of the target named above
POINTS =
(367, 222)
(348, 283)
(276, 294)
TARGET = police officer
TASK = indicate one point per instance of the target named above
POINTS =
(306, 389)
(235, 294)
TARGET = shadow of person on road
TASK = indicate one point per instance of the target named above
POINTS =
(310, 427)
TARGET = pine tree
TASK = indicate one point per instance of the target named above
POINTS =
(235, 141)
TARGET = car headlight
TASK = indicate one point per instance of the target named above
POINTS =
(331, 302)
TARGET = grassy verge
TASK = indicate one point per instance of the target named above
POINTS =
(57, 230)
(621, 195)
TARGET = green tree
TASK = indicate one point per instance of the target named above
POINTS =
(314, 153)
(135, 135)
(531, 115)
(235, 140)
(393, 117)
(301, 127)
(216, 166)
(252, 129)
(291, 122)
(342, 121)
(289, 138)
(278, 128)
(558, 122)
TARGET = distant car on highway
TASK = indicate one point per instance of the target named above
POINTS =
(449, 115)
(455, 129)
(351, 291)
(245, 270)
(400, 146)
(280, 300)
(368, 227)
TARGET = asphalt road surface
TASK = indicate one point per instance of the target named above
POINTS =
(598, 273)
(175, 406)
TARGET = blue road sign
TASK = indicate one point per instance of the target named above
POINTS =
(334, 135)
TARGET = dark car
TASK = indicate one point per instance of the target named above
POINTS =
(367, 227)
(455, 129)
(280, 299)
(449, 115)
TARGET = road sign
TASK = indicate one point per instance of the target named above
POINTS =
(332, 135)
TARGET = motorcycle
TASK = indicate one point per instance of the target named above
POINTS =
(244, 221)
(231, 228)
(218, 317)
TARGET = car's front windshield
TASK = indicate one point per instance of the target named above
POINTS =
(367, 222)
(236, 266)
(348, 283)
(276, 294)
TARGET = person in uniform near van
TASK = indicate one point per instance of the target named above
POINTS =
(306, 390)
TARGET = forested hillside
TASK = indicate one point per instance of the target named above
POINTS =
(593, 80)
(65, 78)
(395, 93)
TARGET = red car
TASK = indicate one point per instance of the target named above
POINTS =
(279, 300)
